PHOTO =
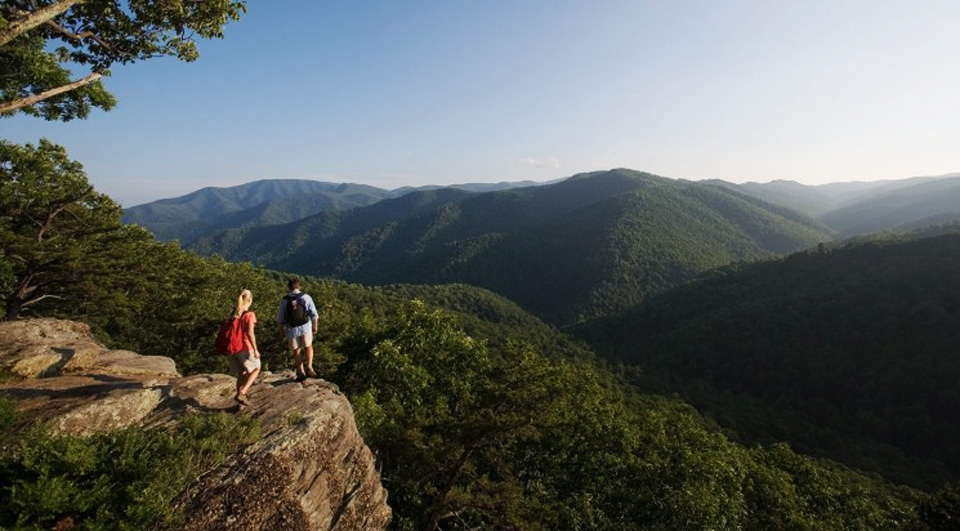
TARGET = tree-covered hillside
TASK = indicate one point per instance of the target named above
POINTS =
(267, 202)
(848, 352)
(811, 200)
(578, 249)
(822, 199)
(924, 203)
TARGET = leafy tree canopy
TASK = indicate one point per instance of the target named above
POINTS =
(53, 225)
(41, 39)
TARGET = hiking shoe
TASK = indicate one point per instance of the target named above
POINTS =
(242, 399)
(300, 376)
(311, 374)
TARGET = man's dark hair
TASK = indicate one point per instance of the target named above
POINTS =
(293, 283)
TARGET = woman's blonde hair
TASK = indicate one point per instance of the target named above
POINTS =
(245, 297)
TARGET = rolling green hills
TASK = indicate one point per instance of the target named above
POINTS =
(212, 202)
(190, 217)
(575, 250)
(849, 353)
(809, 199)
(267, 202)
(858, 208)
(924, 203)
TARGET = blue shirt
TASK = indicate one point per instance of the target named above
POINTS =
(305, 328)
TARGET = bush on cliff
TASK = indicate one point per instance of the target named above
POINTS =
(123, 479)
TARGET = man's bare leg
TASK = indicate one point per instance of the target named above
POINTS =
(309, 368)
(297, 362)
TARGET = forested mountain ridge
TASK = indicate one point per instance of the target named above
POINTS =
(471, 187)
(266, 202)
(280, 244)
(811, 200)
(574, 250)
(212, 202)
(857, 208)
(925, 203)
(846, 352)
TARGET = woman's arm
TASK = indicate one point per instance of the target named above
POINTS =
(251, 324)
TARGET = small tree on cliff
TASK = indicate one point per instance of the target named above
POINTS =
(53, 225)
(94, 34)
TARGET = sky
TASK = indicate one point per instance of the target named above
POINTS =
(406, 93)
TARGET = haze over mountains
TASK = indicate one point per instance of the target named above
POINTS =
(855, 208)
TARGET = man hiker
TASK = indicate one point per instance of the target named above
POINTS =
(298, 318)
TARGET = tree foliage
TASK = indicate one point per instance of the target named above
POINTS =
(846, 352)
(54, 227)
(472, 437)
(124, 479)
(41, 40)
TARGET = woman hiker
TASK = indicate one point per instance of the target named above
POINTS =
(246, 363)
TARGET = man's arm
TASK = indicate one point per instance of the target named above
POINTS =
(313, 313)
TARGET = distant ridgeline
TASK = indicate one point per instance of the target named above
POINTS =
(858, 208)
(267, 202)
(191, 216)
(847, 352)
(571, 251)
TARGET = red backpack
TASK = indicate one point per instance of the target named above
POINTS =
(230, 337)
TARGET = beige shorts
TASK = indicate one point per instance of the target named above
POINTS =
(303, 341)
(243, 362)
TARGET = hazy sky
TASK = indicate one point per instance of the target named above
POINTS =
(393, 93)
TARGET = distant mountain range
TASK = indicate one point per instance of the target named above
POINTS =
(570, 251)
(857, 208)
(900, 210)
(267, 202)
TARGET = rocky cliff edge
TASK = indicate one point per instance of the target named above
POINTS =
(309, 470)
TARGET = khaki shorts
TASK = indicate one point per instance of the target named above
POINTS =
(303, 341)
(243, 362)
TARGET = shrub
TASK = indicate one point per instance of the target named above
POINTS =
(120, 479)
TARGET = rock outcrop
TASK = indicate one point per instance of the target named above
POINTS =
(309, 470)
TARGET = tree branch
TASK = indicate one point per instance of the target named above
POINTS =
(34, 19)
(441, 498)
(16, 104)
(40, 298)
(78, 36)
(46, 225)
